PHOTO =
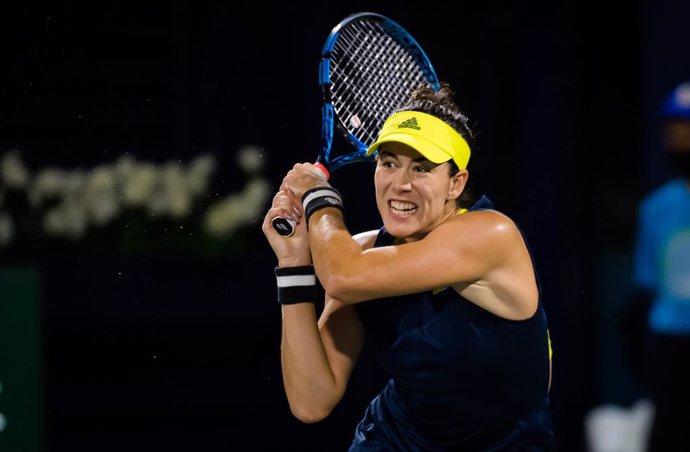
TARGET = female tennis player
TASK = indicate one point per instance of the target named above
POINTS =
(445, 292)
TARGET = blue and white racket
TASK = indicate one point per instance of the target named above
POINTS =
(369, 67)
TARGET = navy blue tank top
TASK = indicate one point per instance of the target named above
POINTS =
(462, 378)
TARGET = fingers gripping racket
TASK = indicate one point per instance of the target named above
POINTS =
(369, 67)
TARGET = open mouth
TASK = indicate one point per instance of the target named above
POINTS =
(402, 208)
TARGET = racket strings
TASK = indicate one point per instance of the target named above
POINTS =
(372, 74)
(370, 96)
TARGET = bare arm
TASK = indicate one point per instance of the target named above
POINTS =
(318, 357)
(477, 246)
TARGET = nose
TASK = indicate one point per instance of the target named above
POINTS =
(402, 181)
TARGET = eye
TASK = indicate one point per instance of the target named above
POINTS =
(387, 163)
(421, 169)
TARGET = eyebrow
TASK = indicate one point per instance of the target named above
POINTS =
(421, 158)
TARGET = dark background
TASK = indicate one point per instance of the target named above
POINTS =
(173, 344)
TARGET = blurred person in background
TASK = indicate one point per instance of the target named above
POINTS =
(656, 323)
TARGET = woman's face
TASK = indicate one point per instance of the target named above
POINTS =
(676, 136)
(412, 193)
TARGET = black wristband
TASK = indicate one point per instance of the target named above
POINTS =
(318, 198)
(296, 284)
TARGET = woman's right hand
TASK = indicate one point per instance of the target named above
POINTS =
(294, 250)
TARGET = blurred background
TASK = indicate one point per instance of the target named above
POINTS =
(141, 142)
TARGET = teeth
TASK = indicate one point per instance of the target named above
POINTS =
(400, 205)
(403, 208)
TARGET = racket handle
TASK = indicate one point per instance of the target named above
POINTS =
(285, 226)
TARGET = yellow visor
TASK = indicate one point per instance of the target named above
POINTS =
(434, 139)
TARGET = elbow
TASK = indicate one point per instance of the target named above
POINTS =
(342, 288)
(311, 407)
(309, 415)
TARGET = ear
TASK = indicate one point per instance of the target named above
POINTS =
(457, 184)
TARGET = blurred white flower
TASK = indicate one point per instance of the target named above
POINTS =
(250, 159)
(199, 173)
(47, 184)
(179, 203)
(157, 204)
(225, 216)
(139, 186)
(102, 178)
(14, 174)
(256, 193)
(102, 207)
(99, 198)
(174, 194)
(6, 228)
(124, 166)
(235, 211)
(74, 182)
(66, 219)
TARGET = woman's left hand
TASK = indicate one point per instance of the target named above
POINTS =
(294, 250)
(303, 177)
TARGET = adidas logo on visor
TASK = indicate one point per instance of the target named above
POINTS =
(409, 124)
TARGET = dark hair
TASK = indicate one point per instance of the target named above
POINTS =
(441, 103)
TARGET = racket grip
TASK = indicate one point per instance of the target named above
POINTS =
(285, 226)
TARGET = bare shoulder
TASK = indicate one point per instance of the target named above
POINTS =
(486, 224)
(366, 239)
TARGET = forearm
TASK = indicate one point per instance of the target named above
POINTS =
(336, 255)
(308, 379)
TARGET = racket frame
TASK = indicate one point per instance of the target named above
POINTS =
(330, 120)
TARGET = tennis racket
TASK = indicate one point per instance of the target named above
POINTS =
(369, 67)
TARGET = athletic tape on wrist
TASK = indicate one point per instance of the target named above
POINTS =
(296, 284)
(319, 198)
